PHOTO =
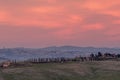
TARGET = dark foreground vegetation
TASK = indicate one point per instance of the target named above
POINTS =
(96, 70)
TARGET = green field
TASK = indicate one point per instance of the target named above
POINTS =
(102, 70)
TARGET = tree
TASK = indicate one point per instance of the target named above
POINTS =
(99, 54)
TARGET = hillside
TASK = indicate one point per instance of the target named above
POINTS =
(102, 70)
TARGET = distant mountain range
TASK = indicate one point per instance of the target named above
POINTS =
(48, 52)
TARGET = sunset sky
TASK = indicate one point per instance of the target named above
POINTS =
(42, 23)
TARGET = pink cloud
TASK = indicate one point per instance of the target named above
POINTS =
(96, 26)
(65, 21)
(116, 22)
(3, 16)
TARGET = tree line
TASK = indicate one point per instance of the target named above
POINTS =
(92, 57)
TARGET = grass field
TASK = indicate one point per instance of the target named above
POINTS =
(102, 70)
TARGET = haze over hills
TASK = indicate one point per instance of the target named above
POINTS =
(48, 52)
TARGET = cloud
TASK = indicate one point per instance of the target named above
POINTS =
(76, 22)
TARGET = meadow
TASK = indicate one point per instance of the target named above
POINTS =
(96, 70)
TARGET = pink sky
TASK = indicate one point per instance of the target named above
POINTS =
(41, 23)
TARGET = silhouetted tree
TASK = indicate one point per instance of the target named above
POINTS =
(99, 54)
